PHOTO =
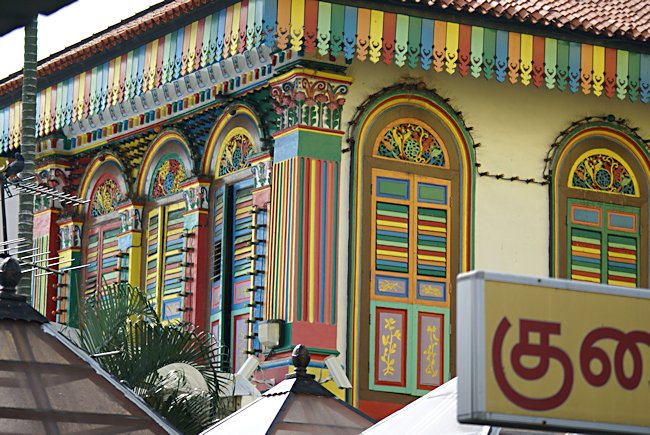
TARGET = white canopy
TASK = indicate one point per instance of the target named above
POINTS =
(434, 413)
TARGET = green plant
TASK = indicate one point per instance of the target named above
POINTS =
(172, 366)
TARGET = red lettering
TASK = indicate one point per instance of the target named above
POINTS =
(626, 343)
(543, 351)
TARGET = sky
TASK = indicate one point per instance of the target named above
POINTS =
(57, 31)
(66, 27)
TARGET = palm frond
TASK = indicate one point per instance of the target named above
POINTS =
(134, 345)
(104, 316)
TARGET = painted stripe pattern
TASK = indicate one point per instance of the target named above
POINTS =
(217, 251)
(392, 237)
(39, 287)
(102, 257)
(410, 236)
(302, 241)
(604, 250)
(337, 30)
(242, 243)
(173, 250)
(259, 280)
(432, 242)
(152, 250)
(165, 249)
(622, 261)
(585, 255)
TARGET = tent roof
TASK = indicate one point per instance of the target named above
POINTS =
(47, 385)
(433, 413)
(436, 413)
(297, 404)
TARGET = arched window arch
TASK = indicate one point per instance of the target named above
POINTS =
(105, 187)
(599, 194)
(166, 165)
(412, 226)
(231, 146)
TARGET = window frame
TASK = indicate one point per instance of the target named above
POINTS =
(565, 194)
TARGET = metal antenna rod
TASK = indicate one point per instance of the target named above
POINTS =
(60, 262)
(28, 250)
(49, 192)
(12, 241)
(32, 258)
(43, 260)
(48, 269)
(66, 270)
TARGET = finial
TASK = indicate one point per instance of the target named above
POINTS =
(10, 274)
(300, 359)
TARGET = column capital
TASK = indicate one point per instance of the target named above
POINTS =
(196, 194)
(308, 98)
(58, 176)
(130, 213)
(70, 233)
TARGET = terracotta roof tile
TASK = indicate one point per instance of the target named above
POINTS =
(120, 33)
(625, 18)
(629, 19)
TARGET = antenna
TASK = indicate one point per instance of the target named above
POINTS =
(27, 255)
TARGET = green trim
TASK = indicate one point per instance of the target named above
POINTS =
(301, 221)
(604, 236)
(552, 171)
(307, 143)
(410, 342)
(356, 180)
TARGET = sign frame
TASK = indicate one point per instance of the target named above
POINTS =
(471, 354)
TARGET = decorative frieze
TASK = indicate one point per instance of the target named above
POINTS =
(130, 219)
(196, 197)
(55, 176)
(70, 234)
(262, 173)
(309, 98)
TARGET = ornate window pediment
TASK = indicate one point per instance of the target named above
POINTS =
(236, 151)
(603, 170)
(105, 198)
(412, 141)
(167, 177)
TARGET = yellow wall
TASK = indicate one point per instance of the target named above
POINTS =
(515, 126)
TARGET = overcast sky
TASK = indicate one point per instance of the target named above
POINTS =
(57, 31)
(66, 27)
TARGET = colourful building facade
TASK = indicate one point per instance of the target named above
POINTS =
(334, 166)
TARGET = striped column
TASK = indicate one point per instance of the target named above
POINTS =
(303, 210)
(69, 286)
(130, 242)
(196, 238)
(46, 239)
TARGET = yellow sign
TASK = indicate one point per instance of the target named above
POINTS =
(560, 353)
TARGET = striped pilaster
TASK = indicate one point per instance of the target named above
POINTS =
(303, 210)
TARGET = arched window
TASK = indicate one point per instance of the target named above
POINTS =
(105, 187)
(166, 165)
(600, 202)
(412, 215)
(232, 144)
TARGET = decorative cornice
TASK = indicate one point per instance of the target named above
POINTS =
(196, 195)
(309, 98)
(108, 95)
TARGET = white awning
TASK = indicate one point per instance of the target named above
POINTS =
(434, 413)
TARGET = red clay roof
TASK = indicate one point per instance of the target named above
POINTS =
(120, 33)
(629, 19)
(622, 18)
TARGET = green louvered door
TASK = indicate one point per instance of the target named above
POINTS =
(603, 243)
